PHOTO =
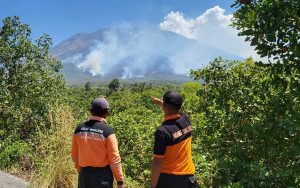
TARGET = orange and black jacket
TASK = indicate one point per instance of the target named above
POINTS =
(173, 144)
(94, 144)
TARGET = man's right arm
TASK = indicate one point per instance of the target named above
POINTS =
(158, 156)
(157, 101)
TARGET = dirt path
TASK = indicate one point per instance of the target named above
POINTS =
(9, 181)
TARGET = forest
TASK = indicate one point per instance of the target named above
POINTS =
(245, 114)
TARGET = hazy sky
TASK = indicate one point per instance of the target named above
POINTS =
(64, 18)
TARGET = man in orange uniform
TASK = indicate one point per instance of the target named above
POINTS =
(172, 165)
(95, 150)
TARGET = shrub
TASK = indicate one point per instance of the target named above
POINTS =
(12, 153)
(252, 123)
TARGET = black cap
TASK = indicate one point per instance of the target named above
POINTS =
(99, 104)
(173, 98)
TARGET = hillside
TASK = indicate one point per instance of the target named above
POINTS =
(132, 53)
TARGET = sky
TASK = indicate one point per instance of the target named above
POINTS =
(64, 18)
(206, 21)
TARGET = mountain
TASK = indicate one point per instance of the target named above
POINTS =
(132, 53)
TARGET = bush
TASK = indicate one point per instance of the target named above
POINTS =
(13, 153)
(252, 120)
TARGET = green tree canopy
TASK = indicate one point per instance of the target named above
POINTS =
(272, 26)
(252, 116)
(30, 81)
(88, 86)
(114, 85)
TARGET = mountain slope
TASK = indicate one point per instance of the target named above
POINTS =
(132, 53)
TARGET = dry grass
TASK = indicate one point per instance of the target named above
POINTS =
(55, 168)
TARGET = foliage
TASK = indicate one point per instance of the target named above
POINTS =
(272, 26)
(114, 85)
(189, 93)
(29, 85)
(14, 153)
(140, 87)
(252, 123)
(30, 82)
(88, 86)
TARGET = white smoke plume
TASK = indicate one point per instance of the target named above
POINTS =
(135, 52)
(127, 52)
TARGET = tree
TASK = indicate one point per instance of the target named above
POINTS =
(88, 86)
(114, 85)
(272, 26)
(30, 83)
(251, 132)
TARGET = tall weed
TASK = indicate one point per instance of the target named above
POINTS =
(55, 168)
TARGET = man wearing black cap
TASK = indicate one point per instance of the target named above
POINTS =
(172, 165)
(95, 150)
